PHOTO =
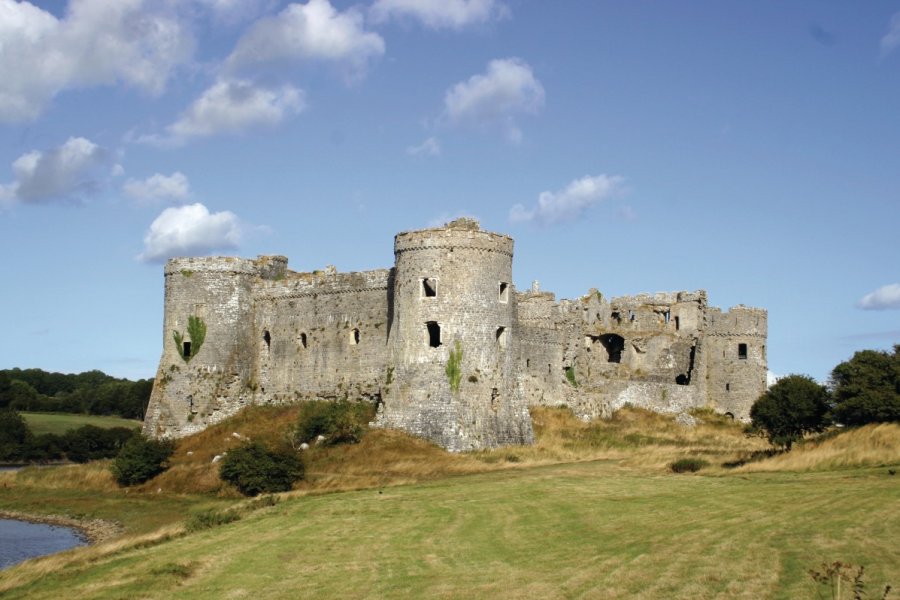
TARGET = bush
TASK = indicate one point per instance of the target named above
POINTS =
(141, 459)
(14, 434)
(89, 442)
(340, 422)
(688, 465)
(794, 406)
(254, 470)
(208, 519)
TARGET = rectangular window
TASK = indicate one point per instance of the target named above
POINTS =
(434, 333)
(186, 349)
(677, 323)
(502, 337)
(429, 287)
(742, 351)
(504, 291)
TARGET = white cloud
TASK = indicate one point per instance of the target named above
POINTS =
(569, 203)
(232, 106)
(771, 378)
(190, 230)
(892, 38)
(507, 88)
(314, 32)
(159, 187)
(430, 147)
(61, 173)
(887, 297)
(233, 11)
(97, 42)
(440, 14)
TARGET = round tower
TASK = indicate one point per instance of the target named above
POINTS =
(207, 331)
(453, 339)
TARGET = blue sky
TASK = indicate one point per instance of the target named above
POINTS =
(751, 149)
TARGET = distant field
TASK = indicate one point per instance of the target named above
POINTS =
(60, 423)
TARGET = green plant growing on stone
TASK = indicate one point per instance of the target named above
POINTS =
(197, 331)
(187, 272)
(453, 368)
(570, 376)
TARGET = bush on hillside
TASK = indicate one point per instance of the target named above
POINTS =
(794, 406)
(141, 459)
(254, 469)
(14, 434)
(89, 442)
(339, 422)
(688, 465)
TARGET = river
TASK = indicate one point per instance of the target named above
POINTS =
(20, 540)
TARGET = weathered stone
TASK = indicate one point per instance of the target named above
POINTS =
(442, 343)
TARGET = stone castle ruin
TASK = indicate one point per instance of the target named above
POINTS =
(442, 342)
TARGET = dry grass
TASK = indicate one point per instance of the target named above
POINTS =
(94, 476)
(869, 446)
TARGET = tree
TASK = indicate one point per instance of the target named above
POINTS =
(794, 406)
(254, 470)
(867, 388)
(141, 459)
(14, 434)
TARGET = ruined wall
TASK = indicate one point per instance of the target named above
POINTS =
(271, 335)
(453, 293)
(736, 374)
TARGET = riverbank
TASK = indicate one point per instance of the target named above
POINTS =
(94, 531)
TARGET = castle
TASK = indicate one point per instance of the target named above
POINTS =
(442, 342)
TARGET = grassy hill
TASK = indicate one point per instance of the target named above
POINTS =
(590, 511)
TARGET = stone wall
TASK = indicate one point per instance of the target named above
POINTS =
(387, 336)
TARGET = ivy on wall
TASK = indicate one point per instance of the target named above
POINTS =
(453, 368)
(196, 332)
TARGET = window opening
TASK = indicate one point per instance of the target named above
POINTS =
(429, 288)
(730, 415)
(727, 387)
(527, 362)
(614, 346)
(667, 315)
(303, 340)
(681, 379)
(502, 336)
(742, 351)
(677, 323)
(504, 291)
(495, 394)
(267, 338)
(434, 333)
(764, 353)
(186, 349)
(354, 336)
(616, 316)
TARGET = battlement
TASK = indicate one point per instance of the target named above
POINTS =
(442, 343)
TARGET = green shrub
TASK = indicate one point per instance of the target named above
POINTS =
(141, 459)
(794, 406)
(341, 422)
(688, 465)
(453, 370)
(254, 469)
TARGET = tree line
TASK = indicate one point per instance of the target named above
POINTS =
(88, 393)
(862, 390)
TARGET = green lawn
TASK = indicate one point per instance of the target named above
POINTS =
(583, 530)
(60, 423)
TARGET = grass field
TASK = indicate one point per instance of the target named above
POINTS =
(60, 423)
(590, 511)
(592, 529)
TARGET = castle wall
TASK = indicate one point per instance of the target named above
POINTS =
(453, 293)
(239, 332)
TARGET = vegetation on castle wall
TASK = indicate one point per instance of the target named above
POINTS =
(196, 331)
(570, 376)
(454, 368)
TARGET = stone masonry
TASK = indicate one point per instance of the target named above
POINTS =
(238, 332)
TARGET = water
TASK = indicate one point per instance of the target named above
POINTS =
(20, 540)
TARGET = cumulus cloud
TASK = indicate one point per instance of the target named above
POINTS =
(569, 203)
(190, 230)
(440, 14)
(232, 106)
(159, 187)
(309, 32)
(96, 43)
(887, 297)
(892, 38)
(430, 147)
(65, 172)
(507, 88)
